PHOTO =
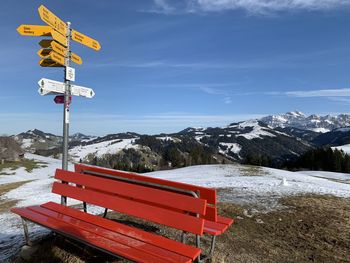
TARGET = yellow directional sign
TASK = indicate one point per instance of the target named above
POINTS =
(49, 45)
(64, 52)
(59, 38)
(34, 30)
(57, 47)
(44, 52)
(49, 63)
(85, 40)
(52, 20)
(45, 43)
(76, 59)
(57, 58)
(47, 53)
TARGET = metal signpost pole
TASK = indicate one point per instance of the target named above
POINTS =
(56, 52)
(67, 94)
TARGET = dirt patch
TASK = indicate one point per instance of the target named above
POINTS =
(29, 166)
(6, 204)
(251, 170)
(310, 229)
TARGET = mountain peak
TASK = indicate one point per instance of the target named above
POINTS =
(313, 122)
(296, 114)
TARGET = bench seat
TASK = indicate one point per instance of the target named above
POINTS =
(108, 236)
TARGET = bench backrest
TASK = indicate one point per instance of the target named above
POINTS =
(144, 202)
(203, 192)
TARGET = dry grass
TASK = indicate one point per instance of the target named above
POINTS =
(6, 204)
(312, 229)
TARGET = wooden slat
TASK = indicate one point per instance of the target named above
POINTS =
(146, 248)
(211, 213)
(86, 236)
(205, 193)
(135, 233)
(147, 194)
(159, 215)
(225, 220)
(214, 228)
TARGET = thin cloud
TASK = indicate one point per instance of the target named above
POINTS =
(250, 6)
(320, 93)
(213, 91)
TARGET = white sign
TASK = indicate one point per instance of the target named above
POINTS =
(70, 73)
(52, 87)
(82, 91)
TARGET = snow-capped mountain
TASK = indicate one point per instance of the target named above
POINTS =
(250, 139)
(316, 123)
(270, 140)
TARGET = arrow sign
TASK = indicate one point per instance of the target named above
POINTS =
(85, 40)
(52, 20)
(49, 44)
(47, 62)
(52, 87)
(46, 53)
(82, 91)
(34, 30)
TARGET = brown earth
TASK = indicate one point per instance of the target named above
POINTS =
(6, 204)
(310, 229)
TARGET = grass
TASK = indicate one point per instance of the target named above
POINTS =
(29, 166)
(6, 204)
(250, 170)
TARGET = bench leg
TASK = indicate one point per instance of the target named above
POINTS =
(198, 244)
(212, 246)
(26, 233)
(105, 213)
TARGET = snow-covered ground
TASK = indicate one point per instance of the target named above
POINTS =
(345, 148)
(99, 149)
(236, 183)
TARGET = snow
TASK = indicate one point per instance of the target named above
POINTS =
(345, 148)
(320, 130)
(26, 143)
(236, 183)
(168, 138)
(99, 149)
(232, 147)
(257, 131)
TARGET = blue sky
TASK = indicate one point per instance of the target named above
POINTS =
(166, 65)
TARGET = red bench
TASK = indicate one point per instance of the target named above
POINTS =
(152, 204)
(214, 224)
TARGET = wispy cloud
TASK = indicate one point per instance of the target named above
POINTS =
(214, 91)
(250, 6)
(320, 93)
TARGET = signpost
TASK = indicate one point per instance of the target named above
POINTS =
(56, 52)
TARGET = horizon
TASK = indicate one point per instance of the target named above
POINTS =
(188, 127)
(165, 66)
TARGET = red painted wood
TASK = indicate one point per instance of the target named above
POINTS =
(214, 228)
(156, 214)
(211, 213)
(205, 193)
(88, 237)
(112, 235)
(225, 220)
(132, 232)
(142, 193)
